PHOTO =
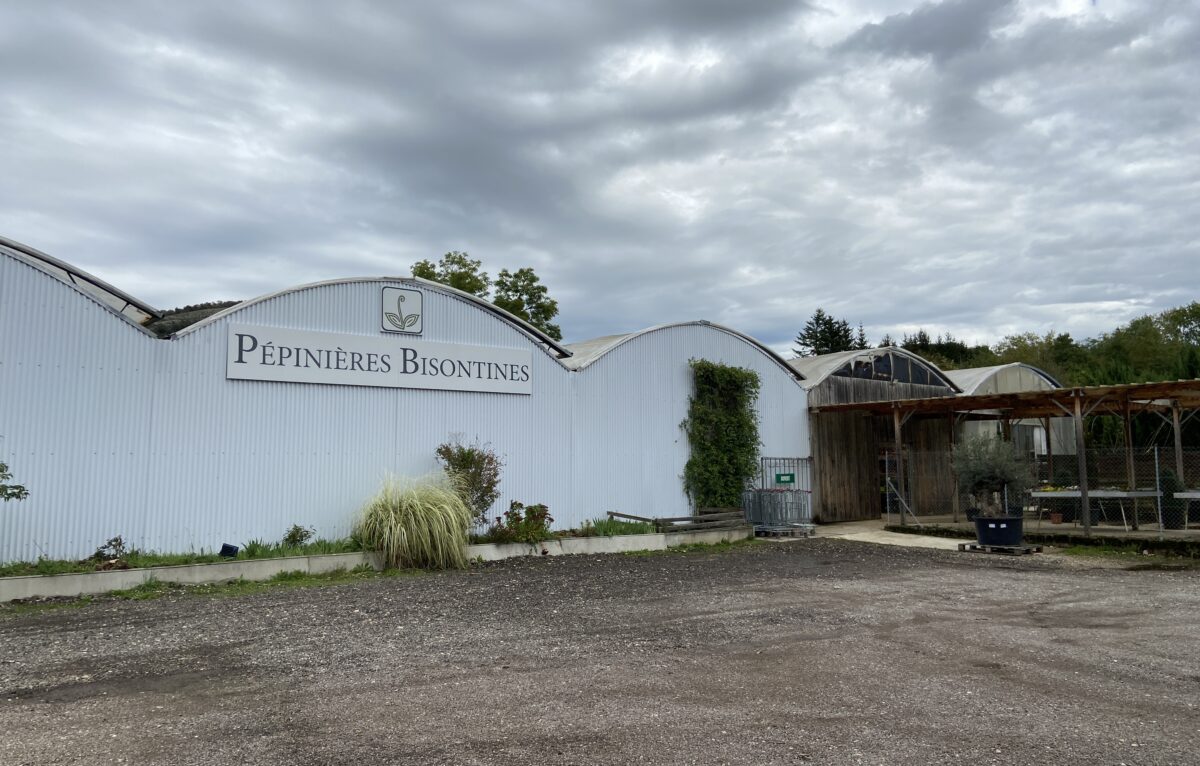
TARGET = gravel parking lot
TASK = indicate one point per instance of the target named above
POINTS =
(816, 651)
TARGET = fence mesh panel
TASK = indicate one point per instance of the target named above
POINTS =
(1150, 488)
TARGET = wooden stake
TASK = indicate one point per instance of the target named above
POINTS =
(899, 461)
(1082, 455)
(1130, 477)
(1178, 440)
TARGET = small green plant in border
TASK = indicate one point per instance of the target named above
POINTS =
(416, 524)
(297, 536)
(529, 524)
(612, 527)
(722, 432)
(134, 558)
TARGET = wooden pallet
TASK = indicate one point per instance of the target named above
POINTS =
(1008, 550)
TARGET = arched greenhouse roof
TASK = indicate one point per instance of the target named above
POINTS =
(1002, 379)
(536, 335)
(121, 302)
(585, 353)
(888, 363)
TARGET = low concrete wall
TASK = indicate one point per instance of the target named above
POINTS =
(569, 546)
(86, 583)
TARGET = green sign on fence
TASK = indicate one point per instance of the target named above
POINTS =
(785, 478)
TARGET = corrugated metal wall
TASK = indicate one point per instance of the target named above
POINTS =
(629, 447)
(118, 433)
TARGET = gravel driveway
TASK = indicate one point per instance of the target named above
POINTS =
(815, 651)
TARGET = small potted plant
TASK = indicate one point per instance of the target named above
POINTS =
(996, 478)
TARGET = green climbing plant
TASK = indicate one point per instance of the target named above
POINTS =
(722, 432)
(10, 491)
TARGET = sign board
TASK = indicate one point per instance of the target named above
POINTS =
(785, 478)
(401, 311)
(306, 356)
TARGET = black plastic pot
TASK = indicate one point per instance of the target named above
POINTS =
(1002, 530)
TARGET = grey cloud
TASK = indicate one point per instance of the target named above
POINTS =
(968, 166)
(941, 30)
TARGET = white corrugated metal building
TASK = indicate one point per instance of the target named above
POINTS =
(185, 443)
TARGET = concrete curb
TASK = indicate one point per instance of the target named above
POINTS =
(89, 583)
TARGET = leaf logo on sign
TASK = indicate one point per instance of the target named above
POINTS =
(400, 320)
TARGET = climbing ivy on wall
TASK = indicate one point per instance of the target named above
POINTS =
(722, 431)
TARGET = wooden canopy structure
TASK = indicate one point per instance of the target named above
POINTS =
(1169, 400)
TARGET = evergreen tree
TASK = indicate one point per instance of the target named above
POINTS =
(860, 339)
(824, 334)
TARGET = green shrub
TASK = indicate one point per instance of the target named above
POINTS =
(986, 465)
(297, 536)
(722, 431)
(474, 470)
(528, 524)
(416, 524)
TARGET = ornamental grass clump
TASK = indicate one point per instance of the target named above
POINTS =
(416, 525)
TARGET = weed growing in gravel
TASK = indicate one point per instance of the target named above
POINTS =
(721, 547)
(1137, 557)
(151, 588)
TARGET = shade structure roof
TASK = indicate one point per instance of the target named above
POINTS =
(1055, 402)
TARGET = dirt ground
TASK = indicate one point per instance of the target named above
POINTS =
(820, 651)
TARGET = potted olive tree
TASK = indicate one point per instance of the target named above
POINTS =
(996, 478)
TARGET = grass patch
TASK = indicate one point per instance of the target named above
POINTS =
(724, 546)
(152, 588)
(1187, 549)
(137, 559)
(612, 527)
(1134, 556)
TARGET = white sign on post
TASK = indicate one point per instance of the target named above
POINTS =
(392, 361)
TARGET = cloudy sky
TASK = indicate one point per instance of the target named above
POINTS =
(978, 166)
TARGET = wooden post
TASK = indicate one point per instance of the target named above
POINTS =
(1178, 441)
(953, 425)
(1049, 451)
(1130, 477)
(899, 461)
(1081, 451)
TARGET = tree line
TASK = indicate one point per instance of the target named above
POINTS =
(1162, 346)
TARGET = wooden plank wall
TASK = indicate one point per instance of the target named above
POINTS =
(845, 467)
(846, 449)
